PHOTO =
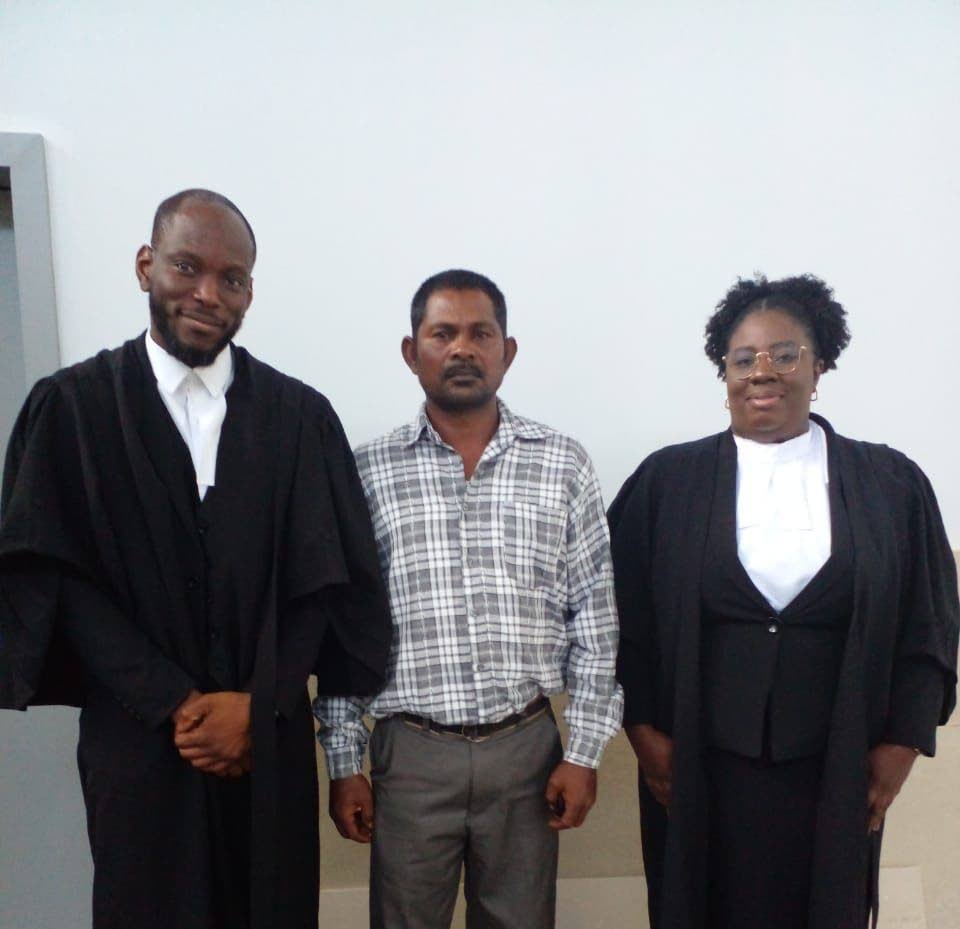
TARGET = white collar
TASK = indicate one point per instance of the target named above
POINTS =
(809, 447)
(170, 372)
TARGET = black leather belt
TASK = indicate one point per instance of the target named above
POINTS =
(480, 730)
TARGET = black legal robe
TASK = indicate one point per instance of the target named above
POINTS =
(119, 591)
(905, 613)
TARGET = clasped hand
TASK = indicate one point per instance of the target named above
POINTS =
(212, 732)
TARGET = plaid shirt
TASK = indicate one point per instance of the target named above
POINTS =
(501, 587)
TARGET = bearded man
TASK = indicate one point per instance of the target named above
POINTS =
(184, 540)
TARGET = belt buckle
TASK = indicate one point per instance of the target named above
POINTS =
(472, 733)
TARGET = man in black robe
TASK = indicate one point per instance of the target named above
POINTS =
(184, 540)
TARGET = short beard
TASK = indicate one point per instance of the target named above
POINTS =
(191, 357)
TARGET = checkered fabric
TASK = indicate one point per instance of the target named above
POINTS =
(501, 587)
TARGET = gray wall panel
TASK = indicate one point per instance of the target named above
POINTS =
(45, 868)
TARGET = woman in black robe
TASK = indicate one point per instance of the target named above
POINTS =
(789, 617)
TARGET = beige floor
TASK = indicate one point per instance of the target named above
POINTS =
(582, 903)
(600, 863)
(620, 903)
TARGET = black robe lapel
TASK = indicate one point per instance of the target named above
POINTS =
(841, 554)
(688, 520)
(133, 386)
(249, 442)
(162, 441)
(724, 521)
(841, 843)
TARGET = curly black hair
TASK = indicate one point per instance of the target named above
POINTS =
(805, 297)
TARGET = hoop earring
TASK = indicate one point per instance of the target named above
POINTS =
(814, 395)
(726, 403)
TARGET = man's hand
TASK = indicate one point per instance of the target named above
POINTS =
(212, 732)
(889, 767)
(654, 752)
(351, 807)
(571, 791)
(184, 717)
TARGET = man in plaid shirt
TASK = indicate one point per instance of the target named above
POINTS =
(493, 541)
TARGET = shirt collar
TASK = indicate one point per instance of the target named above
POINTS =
(170, 372)
(809, 447)
(775, 452)
(511, 427)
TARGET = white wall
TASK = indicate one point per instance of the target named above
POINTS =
(613, 165)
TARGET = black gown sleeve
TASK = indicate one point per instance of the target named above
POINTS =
(924, 679)
(637, 666)
(303, 627)
(64, 630)
(354, 658)
(334, 615)
(916, 698)
(117, 655)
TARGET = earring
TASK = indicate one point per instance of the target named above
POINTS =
(814, 395)
(726, 403)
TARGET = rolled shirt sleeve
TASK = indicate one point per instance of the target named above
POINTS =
(595, 710)
(342, 734)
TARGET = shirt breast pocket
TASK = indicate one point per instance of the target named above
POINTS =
(533, 538)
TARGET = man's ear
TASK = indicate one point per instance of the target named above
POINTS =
(249, 297)
(509, 352)
(144, 266)
(408, 348)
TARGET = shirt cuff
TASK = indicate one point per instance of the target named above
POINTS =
(584, 750)
(344, 746)
(343, 764)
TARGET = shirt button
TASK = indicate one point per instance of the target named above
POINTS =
(192, 582)
(773, 628)
(214, 635)
(479, 666)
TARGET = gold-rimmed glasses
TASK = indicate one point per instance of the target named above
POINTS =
(781, 359)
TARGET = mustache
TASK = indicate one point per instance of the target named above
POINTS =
(458, 370)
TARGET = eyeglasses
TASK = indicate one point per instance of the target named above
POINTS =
(744, 363)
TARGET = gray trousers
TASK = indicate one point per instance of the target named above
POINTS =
(442, 803)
